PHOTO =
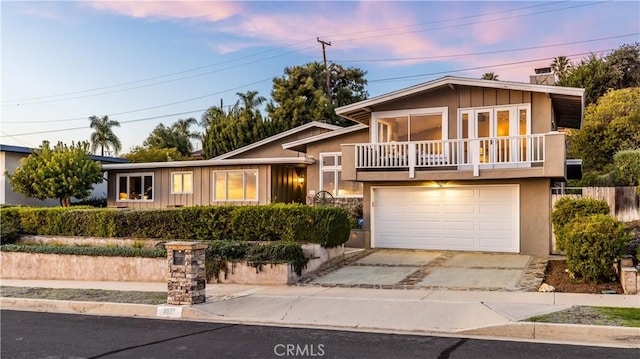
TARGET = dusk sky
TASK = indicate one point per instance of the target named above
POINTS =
(148, 62)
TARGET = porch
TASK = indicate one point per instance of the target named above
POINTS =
(535, 155)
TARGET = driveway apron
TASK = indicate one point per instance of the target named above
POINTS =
(415, 269)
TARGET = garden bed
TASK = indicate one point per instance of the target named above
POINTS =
(556, 275)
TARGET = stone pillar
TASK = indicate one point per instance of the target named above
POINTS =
(187, 273)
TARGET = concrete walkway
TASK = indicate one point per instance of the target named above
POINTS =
(492, 314)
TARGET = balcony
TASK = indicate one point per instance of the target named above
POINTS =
(537, 155)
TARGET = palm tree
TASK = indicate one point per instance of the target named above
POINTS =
(560, 66)
(250, 102)
(182, 135)
(490, 76)
(103, 136)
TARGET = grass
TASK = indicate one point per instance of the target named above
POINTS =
(626, 317)
(85, 295)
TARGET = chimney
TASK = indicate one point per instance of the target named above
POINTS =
(543, 76)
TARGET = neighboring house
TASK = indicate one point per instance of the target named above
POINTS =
(451, 164)
(10, 157)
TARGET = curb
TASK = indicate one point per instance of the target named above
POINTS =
(596, 335)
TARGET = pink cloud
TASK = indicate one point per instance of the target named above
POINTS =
(167, 10)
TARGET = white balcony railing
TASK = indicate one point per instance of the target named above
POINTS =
(491, 151)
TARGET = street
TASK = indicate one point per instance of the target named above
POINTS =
(49, 335)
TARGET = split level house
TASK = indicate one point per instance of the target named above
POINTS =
(450, 164)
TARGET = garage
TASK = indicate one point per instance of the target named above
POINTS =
(462, 218)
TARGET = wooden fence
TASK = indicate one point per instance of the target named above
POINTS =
(623, 201)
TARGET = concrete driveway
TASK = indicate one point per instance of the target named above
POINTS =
(413, 269)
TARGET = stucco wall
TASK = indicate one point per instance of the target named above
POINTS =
(17, 265)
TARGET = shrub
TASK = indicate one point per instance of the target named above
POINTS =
(9, 225)
(627, 167)
(567, 209)
(219, 253)
(592, 245)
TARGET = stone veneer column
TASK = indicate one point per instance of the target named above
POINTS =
(187, 273)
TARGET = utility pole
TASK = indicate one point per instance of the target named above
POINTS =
(324, 56)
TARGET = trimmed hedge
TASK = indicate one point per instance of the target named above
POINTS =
(87, 251)
(328, 226)
(593, 244)
(567, 209)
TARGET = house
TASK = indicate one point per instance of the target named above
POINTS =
(264, 172)
(450, 164)
(10, 157)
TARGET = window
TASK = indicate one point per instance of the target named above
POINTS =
(426, 124)
(134, 186)
(331, 177)
(235, 185)
(181, 182)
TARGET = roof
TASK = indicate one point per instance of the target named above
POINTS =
(211, 162)
(567, 102)
(301, 145)
(27, 150)
(276, 137)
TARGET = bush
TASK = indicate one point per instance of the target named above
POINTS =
(567, 209)
(592, 245)
(626, 166)
(9, 225)
(219, 253)
(328, 226)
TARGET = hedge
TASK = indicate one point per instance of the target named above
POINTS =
(567, 209)
(87, 251)
(593, 244)
(328, 226)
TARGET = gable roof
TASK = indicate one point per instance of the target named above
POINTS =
(27, 150)
(276, 137)
(567, 102)
(301, 145)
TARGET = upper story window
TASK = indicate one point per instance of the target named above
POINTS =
(494, 121)
(134, 186)
(425, 124)
(331, 177)
(235, 185)
(181, 182)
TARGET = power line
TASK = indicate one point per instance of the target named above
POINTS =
(390, 79)
(488, 52)
(361, 60)
(468, 23)
(152, 107)
(252, 55)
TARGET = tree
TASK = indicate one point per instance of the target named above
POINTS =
(240, 125)
(489, 76)
(177, 136)
(300, 95)
(60, 172)
(610, 125)
(560, 66)
(103, 135)
(153, 154)
(597, 75)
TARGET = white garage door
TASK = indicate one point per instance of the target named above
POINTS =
(468, 218)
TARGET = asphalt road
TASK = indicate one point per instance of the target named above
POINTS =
(48, 335)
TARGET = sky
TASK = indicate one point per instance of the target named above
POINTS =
(143, 63)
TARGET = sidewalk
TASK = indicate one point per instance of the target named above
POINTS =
(486, 314)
